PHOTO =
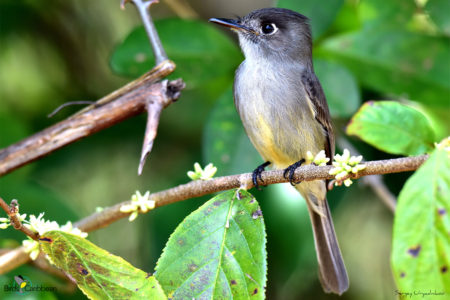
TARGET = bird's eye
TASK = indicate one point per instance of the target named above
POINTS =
(268, 28)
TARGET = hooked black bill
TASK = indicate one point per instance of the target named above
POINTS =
(233, 24)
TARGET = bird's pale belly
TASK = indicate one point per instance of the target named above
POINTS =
(278, 133)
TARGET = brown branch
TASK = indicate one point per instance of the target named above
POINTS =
(13, 259)
(203, 187)
(12, 210)
(199, 188)
(154, 110)
(122, 104)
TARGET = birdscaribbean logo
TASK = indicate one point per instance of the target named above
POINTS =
(21, 282)
(22, 285)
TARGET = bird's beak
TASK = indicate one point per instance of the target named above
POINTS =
(233, 24)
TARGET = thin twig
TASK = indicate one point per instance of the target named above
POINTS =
(58, 109)
(143, 7)
(198, 188)
(12, 211)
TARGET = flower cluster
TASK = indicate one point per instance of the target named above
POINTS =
(203, 174)
(139, 203)
(5, 222)
(344, 166)
(319, 160)
(41, 226)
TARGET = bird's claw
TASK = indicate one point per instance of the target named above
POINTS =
(257, 174)
(291, 170)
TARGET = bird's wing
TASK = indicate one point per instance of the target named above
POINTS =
(317, 97)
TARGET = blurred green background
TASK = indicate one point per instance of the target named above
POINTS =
(81, 50)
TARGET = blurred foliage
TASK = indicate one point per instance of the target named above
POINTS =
(364, 50)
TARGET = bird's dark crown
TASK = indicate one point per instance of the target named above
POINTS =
(280, 16)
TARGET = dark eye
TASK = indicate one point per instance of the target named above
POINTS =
(268, 28)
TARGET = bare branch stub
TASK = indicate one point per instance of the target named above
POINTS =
(12, 211)
(122, 104)
(154, 107)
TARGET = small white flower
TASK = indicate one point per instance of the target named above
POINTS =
(133, 216)
(68, 227)
(138, 203)
(354, 160)
(344, 165)
(203, 174)
(5, 222)
(31, 247)
(126, 208)
(321, 159)
(348, 182)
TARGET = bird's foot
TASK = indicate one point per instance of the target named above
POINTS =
(291, 170)
(257, 174)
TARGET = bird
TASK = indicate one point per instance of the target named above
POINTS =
(285, 114)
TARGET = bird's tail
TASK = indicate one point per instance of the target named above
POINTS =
(333, 275)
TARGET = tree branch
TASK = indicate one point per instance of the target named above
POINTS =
(199, 188)
(203, 187)
(12, 211)
(122, 104)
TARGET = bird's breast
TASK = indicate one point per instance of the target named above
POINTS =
(274, 111)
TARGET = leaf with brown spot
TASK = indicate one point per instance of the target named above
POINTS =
(421, 243)
(223, 255)
(414, 251)
(98, 273)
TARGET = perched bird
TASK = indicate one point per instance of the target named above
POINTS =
(285, 114)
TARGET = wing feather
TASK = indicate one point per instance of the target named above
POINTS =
(319, 103)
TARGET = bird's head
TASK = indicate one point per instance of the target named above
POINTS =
(272, 32)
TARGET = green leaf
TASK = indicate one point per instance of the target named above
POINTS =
(421, 240)
(225, 142)
(217, 252)
(99, 274)
(396, 62)
(381, 13)
(392, 127)
(340, 88)
(321, 16)
(202, 52)
(438, 11)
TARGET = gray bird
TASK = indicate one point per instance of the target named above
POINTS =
(285, 114)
